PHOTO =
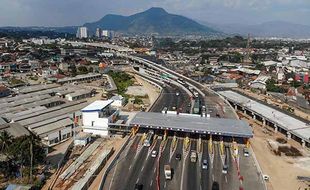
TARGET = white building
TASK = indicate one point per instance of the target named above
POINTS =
(118, 101)
(81, 32)
(97, 116)
(260, 82)
(107, 34)
(98, 33)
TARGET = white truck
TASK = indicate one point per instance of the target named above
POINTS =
(167, 170)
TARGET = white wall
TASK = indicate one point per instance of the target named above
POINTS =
(93, 124)
(117, 103)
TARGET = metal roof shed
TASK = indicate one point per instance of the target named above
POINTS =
(193, 124)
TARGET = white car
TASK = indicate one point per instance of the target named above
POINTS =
(154, 154)
(266, 177)
(246, 152)
(225, 169)
(205, 164)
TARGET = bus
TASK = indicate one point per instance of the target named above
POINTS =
(149, 138)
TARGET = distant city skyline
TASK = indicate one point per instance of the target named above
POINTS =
(78, 12)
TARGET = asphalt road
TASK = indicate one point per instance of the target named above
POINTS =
(136, 165)
(169, 99)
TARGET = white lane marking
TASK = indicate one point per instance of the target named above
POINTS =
(165, 185)
(142, 168)
(154, 170)
(137, 180)
(151, 183)
(130, 166)
(212, 177)
(226, 178)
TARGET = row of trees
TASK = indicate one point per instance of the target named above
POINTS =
(19, 155)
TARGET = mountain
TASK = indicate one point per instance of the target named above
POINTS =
(266, 29)
(153, 20)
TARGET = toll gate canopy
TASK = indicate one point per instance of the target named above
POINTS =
(192, 124)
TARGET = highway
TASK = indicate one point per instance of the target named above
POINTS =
(136, 166)
(169, 99)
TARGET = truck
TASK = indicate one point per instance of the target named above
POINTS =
(167, 170)
(193, 156)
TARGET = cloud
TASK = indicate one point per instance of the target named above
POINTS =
(77, 12)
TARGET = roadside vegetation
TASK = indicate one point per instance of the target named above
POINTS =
(20, 159)
(122, 81)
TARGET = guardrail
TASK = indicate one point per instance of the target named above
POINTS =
(110, 166)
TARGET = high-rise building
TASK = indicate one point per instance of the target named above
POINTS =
(98, 33)
(81, 32)
(105, 33)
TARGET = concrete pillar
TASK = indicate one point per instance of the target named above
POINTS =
(275, 128)
(254, 116)
(264, 122)
(244, 111)
(289, 135)
(236, 107)
(303, 143)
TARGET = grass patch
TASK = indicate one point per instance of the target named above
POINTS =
(122, 81)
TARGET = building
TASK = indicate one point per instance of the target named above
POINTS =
(4, 91)
(98, 33)
(14, 129)
(82, 139)
(5, 67)
(97, 116)
(81, 32)
(260, 82)
(48, 72)
(79, 95)
(107, 34)
(118, 101)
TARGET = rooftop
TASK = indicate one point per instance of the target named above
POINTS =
(97, 106)
(193, 123)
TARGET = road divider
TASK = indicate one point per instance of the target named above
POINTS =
(143, 138)
(199, 147)
(174, 142)
(222, 147)
(186, 143)
(210, 145)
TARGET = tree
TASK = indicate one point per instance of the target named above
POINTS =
(82, 69)
(5, 141)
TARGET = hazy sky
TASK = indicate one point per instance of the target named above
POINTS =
(77, 12)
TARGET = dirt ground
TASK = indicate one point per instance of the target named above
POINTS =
(152, 92)
(283, 170)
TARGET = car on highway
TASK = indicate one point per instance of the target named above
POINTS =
(154, 154)
(178, 156)
(193, 156)
(246, 152)
(225, 169)
(138, 186)
(215, 186)
(205, 164)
